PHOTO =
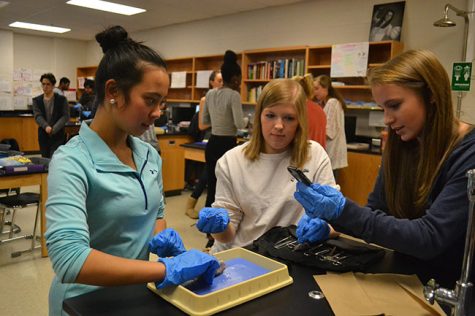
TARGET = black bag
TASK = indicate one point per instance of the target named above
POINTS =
(338, 254)
(12, 142)
(194, 130)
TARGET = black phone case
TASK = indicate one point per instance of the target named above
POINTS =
(299, 175)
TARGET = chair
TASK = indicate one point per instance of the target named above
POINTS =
(13, 203)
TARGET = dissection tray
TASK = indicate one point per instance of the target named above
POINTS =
(248, 275)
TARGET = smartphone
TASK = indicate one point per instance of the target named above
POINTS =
(299, 175)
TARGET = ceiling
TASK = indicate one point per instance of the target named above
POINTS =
(84, 23)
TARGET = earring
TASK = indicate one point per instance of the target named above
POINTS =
(112, 101)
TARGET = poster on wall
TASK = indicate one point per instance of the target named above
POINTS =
(386, 21)
(349, 60)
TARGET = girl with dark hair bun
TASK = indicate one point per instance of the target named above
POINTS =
(223, 111)
(215, 82)
(105, 201)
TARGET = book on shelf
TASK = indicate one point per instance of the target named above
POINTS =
(279, 68)
(254, 93)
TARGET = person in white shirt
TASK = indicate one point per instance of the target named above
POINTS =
(334, 107)
(254, 191)
(62, 86)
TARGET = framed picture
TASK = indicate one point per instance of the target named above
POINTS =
(386, 21)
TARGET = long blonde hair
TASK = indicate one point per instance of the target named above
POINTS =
(410, 168)
(280, 91)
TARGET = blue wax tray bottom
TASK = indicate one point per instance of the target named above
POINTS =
(237, 270)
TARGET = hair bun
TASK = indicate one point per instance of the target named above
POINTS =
(230, 57)
(112, 37)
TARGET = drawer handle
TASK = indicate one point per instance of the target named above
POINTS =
(171, 142)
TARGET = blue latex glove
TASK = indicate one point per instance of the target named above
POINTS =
(188, 266)
(321, 201)
(312, 230)
(212, 220)
(167, 243)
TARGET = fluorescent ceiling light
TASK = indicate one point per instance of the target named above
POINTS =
(39, 27)
(107, 6)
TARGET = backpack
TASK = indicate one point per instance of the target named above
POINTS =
(194, 130)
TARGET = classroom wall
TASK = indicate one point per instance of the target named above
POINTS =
(307, 23)
(56, 55)
(313, 23)
(6, 47)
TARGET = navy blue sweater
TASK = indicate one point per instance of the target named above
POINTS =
(438, 237)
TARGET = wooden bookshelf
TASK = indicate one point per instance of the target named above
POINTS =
(192, 65)
(212, 62)
(312, 59)
(179, 65)
(318, 62)
(259, 66)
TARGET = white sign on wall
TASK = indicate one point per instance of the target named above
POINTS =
(349, 60)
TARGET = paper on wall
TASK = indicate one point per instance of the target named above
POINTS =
(22, 88)
(22, 74)
(81, 81)
(6, 103)
(5, 86)
(349, 60)
(178, 79)
(17, 74)
(26, 74)
(202, 78)
(20, 103)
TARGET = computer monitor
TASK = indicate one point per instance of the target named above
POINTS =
(183, 113)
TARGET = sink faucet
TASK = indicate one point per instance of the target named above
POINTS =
(459, 299)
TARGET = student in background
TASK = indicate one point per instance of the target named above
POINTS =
(317, 120)
(419, 205)
(334, 107)
(215, 82)
(255, 190)
(51, 112)
(63, 86)
(223, 111)
(87, 99)
(104, 187)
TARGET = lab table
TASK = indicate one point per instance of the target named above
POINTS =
(195, 151)
(290, 300)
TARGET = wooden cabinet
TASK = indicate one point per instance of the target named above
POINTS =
(191, 93)
(23, 129)
(355, 90)
(173, 162)
(262, 65)
(211, 62)
(357, 180)
(186, 65)
(259, 66)
(83, 73)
